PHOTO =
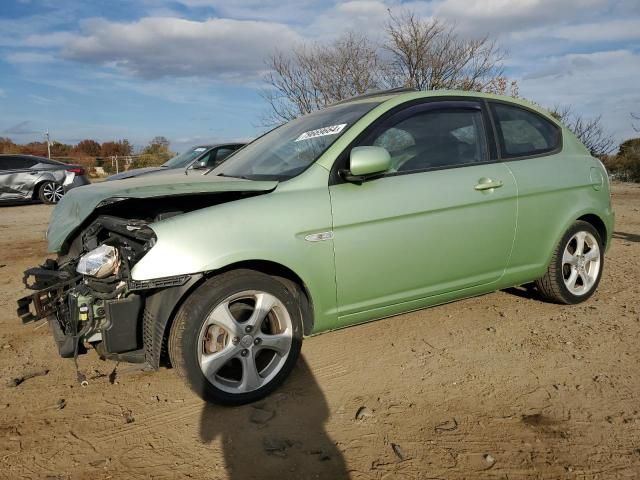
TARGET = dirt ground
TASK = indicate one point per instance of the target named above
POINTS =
(500, 386)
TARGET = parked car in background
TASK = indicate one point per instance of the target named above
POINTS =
(199, 157)
(28, 178)
(372, 207)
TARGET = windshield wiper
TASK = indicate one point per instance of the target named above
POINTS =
(232, 176)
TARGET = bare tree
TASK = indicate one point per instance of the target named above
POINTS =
(428, 54)
(424, 54)
(635, 116)
(588, 130)
(316, 75)
(503, 86)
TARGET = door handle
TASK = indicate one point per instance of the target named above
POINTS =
(488, 184)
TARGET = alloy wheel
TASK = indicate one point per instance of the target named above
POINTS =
(52, 192)
(244, 342)
(581, 263)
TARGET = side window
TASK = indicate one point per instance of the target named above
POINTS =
(223, 153)
(208, 158)
(523, 133)
(216, 156)
(15, 163)
(432, 138)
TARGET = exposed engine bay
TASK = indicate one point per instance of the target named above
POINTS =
(88, 294)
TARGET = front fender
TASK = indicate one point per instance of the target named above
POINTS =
(270, 227)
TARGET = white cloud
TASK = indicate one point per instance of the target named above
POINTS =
(367, 17)
(155, 47)
(503, 16)
(30, 57)
(40, 100)
(600, 83)
(594, 32)
(54, 39)
(296, 12)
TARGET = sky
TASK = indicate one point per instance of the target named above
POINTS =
(192, 70)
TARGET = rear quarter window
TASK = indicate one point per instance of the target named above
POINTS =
(523, 133)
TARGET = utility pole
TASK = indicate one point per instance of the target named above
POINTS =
(46, 135)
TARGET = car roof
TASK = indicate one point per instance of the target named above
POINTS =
(38, 158)
(401, 95)
(214, 145)
(33, 157)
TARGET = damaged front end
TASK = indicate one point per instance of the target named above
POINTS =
(100, 232)
(89, 297)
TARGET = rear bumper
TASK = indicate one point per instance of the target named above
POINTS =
(610, 221)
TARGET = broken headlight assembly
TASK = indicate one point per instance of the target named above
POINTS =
(100, 262)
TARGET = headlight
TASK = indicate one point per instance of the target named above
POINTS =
(99, 262)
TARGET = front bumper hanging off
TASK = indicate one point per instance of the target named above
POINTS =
(129, 327)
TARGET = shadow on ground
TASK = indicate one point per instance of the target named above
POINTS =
(280, 437)
(527, 291)
(628, 237)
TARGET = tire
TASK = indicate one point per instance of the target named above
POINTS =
(210, 333)
(576, 266)
(50, 192)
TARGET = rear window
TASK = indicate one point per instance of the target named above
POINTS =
(523, 133)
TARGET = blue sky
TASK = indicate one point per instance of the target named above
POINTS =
(191, 70)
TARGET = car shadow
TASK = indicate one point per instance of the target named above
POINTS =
(629, 237)
(18, 203)
(282, 436)
(527, 291)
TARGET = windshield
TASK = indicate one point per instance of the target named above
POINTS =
(185, 158)
(289, 149)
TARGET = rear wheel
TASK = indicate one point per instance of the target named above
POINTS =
(237, 337)
(576, 267)
(50, 192)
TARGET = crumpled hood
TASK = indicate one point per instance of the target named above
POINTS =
(78, 204)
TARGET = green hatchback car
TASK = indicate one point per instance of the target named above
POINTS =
(372, 207)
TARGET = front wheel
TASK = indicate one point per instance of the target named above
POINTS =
(237, 337)
(576, 266)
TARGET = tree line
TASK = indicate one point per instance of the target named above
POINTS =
(91, 153)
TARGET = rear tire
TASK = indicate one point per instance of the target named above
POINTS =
(576, 266)
(50, 192)
(237, 337)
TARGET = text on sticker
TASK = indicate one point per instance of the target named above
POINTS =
(321, 132)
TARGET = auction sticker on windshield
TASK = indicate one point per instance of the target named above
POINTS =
(321, 132)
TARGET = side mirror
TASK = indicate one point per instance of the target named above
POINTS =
(366, 163)
(199, 165)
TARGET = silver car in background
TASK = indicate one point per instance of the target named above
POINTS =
(31, 178)
(198, 157)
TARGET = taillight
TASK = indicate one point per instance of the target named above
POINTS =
(76, 170)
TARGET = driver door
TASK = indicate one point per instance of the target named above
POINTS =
(430, 225)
